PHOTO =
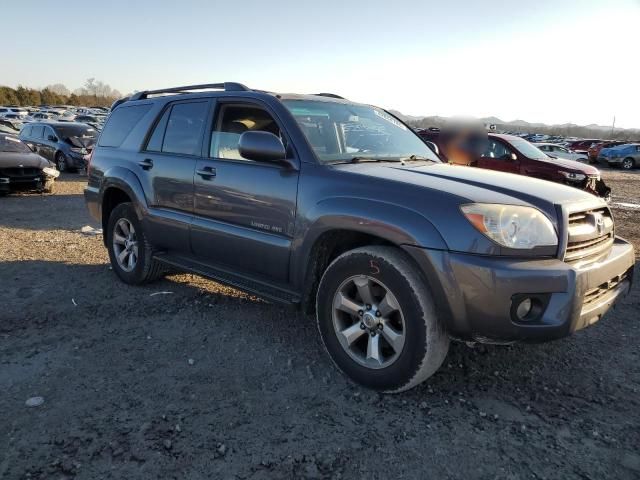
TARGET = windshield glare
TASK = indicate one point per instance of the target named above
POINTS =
(528, 150)
(339, 132)
(13, 145)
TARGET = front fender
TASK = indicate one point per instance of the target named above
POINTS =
(394, 223)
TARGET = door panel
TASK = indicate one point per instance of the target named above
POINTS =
(244, 210)
(166, 169)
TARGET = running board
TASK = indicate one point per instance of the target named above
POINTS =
(231, 279)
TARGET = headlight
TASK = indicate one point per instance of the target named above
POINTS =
(52, 172)
(82, 151)
(512, 226)
(576, 177)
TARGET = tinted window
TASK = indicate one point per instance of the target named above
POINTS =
(497, 150)
(183, 134)
(120, 124)
(67, 131)
(155, 142)
(26, 131)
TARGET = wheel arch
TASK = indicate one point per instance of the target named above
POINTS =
(120, 185)
(332, 234)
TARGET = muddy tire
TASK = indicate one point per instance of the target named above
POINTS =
(130, 252)
(377, 319)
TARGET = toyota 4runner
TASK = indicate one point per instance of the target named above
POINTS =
(341, 209)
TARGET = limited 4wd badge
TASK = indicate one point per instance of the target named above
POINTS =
(264, 226)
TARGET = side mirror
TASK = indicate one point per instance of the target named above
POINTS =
(52, 138)
(262, 147)
(513, 157)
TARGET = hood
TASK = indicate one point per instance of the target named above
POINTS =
(571, 165)
(19, 160)
(470, 184)
(81, 142)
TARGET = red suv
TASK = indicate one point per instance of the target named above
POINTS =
(581, 146)
(508, 153)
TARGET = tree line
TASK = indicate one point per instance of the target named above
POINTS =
(92, 94)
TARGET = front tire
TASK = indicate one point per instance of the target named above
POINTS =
(130, 252)
(61, 162)
(377, 320)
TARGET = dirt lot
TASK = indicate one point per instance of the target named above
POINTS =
(205, 382)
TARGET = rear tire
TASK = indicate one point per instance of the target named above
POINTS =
(353, 307)
(628, 163)
(130, 252)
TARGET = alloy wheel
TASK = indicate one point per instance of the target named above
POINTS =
(368, 322)
(125, 245)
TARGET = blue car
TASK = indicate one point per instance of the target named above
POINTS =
(626, 156)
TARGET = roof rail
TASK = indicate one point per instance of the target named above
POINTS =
(226, 86)
(332, 95)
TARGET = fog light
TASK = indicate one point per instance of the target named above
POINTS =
(524, 308)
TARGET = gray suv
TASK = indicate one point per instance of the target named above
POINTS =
(342, 210)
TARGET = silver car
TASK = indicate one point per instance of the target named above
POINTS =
(559, 151)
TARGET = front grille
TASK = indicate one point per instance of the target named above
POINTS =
(591, 235)
(595, 294)
(18, 172)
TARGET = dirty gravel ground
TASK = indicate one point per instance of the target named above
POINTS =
(206, 382)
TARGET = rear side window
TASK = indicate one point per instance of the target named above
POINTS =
(37, 132)
(183, 133)
(26, 131)
(157, 137)
(120, 124)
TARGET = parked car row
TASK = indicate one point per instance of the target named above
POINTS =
(18, 116)
(509, 153)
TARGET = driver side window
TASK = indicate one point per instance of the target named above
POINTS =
(497, 150)
(231, 122)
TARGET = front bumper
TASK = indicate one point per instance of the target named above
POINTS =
(24, 183)
(473, 294)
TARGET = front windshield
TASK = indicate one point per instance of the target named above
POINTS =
(13, 145)
(75, 131)
(528, 150)
(340, 132)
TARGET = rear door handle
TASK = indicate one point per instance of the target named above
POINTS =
(207, 172)
(146, 164)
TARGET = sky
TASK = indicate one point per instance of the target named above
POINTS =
(551, 61)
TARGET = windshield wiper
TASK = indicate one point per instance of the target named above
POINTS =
(416, 158)
(366, 159)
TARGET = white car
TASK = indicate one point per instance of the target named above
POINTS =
(4, 111)
(558, 151)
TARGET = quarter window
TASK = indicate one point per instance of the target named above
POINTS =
(121, 122)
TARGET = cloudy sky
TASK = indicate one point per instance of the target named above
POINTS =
(541, 61)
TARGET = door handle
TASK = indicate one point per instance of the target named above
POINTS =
(207, 172)
(146, 164)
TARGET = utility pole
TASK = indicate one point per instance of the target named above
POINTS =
(613, 126)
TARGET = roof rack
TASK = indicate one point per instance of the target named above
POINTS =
(331, 95)
(226, 86)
